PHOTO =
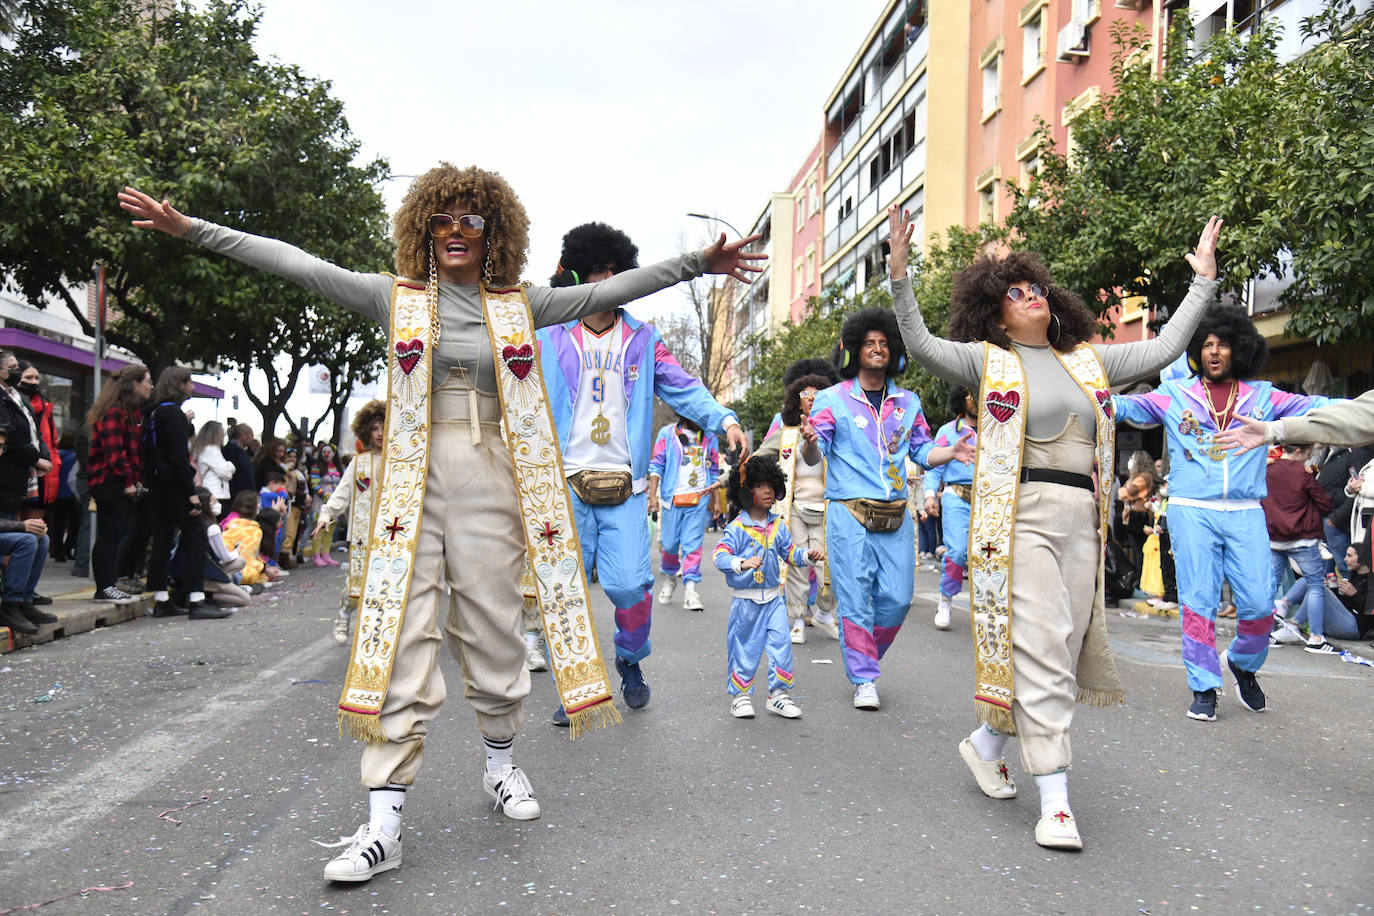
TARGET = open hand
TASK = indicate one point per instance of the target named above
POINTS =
(153, 215)
(1203, 258)
(901, 228)
(728, 258)
(1250, 434)
(964, 449)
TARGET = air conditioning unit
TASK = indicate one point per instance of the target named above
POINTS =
(1073, 41)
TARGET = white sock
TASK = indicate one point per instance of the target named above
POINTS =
(1054, 792)
(499, 753)
(988, 742)
(386, 805)
(196, 596)
(532, 639)
(161, 595)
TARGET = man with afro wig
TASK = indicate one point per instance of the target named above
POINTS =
(866, 427)
(1216, 522)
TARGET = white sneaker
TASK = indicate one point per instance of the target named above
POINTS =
(942, 613)
(369, 852)
(827, 624)
(1282, 636)
(665, 594)
(866, 696)
(741, 707)
(691, 601)
(341, 630)
(513, 793)
(798, 632)
(1281, 608)
(534, 655)
(780, 704)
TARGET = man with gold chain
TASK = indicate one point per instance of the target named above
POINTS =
(602, 373)
(866, 427)
(954, 506)
(1216, 522)
(684, 472)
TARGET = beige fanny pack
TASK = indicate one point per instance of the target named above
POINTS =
(876, 515)
(602, 488)
(961, 490)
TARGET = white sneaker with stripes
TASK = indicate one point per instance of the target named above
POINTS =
(370, 851)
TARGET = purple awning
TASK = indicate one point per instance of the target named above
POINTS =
(23, 341)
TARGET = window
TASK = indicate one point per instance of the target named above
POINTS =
(987, 204)
(810, 264)
(801, 213)
(1072, 109)
(990, 63)
(815, 198)
(799, 283)
(1032, 43)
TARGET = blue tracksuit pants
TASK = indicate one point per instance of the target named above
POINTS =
(954, 516)
(683, 530)
(753, 629)
(872, 574)
(616, 540)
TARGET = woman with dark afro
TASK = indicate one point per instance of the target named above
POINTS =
(866, 429)
(1037, 521)
(752, 552)
(353, 497)
(1216, 520)
(461, 236)
(804, 505)
(813, 366)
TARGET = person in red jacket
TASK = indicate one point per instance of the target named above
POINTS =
(1293, 511)
(115, 469)
(29, 381)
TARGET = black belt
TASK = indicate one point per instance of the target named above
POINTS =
(1065, 478)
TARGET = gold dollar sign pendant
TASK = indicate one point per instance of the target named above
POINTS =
(601, 430)
(894, 475)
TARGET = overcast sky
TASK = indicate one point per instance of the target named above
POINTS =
(633, 113)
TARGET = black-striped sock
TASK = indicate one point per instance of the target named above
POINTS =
(499, 753)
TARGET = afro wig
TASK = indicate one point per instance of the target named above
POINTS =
(756, 471)
(592, 248)
(852, 334)
(791, 400)
(958, 394)
(810, 366)
(447, 187)
(373, 411)
(976, 312)
(1231, 324)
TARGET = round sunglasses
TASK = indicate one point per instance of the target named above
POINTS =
(469, 226)
(1016, 293)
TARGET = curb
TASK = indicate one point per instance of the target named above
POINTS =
(1363, 650)
(83, 617)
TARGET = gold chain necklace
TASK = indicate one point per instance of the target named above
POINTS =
(1225, 411)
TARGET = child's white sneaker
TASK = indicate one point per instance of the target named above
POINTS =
(780, 704)
(741, 707)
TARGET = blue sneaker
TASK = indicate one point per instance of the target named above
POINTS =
(560, 717)
(1204, 706)
(632, 685)
(1247, 688)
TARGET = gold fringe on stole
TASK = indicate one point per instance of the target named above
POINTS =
(1100, 698)
(362, 727)
(585, 721)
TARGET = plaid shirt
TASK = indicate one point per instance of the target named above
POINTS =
(117, 449)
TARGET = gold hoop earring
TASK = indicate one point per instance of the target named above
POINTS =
(1058, 329)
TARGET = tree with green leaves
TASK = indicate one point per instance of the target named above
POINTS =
(1284, 152)
(97, 94)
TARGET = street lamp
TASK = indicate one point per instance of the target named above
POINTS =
(715, 219)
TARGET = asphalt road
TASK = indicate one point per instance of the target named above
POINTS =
(682, 809)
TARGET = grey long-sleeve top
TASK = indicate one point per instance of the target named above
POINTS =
(1342, 423)
(464, 341)
(1053, 394)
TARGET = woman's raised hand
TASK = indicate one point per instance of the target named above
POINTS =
(730, 258)
(901, 228)
(1203, 259)
(153, 215)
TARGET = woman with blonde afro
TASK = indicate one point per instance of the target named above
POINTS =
(353, 496)
(457, 230)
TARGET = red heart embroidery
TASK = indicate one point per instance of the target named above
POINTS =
(519, 360)
(1104, 400)
(363, 483)
(408, 353)
(786, 454)
(1002, 404)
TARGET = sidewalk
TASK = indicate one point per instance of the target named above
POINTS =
(1226, 627)
(76, 612)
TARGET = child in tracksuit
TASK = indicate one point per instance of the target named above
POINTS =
(751, 553)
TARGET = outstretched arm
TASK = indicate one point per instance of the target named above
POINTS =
(367, 294)
(554, 306)
(960, 363)
(1130, 362)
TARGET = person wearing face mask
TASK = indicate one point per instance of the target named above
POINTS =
(24, 452)
(457, 514)
(43, 492)
(1038, 521)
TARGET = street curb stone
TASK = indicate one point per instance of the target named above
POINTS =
(76, 617)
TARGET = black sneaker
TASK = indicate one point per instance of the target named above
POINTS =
(632, 685)
(11, 616)
(1204, 707)
(204, 610)
(167, 609)
(113, 595)
(41, 599)
(1322, 648)
(560, 717)
(1247, 688)
(37, 616)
